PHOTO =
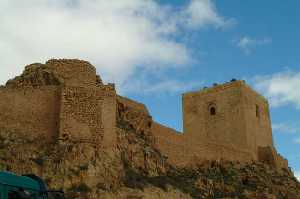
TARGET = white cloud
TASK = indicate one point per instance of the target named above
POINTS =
(116, 36)
(247, 44)
(280, 88)
(290, 128)
(203, 12)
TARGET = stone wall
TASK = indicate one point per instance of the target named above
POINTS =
(30, 111)
(258, 122)
(171, 143)
(80, 115)
(63, 98)
(109, 115)
(228, 121)
(86, 113)
(268, 155)
(180, 151)
(73, 72)
(225, 126)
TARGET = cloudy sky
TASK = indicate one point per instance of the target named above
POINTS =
(156, 49)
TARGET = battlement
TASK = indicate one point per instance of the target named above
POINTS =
(221, 87)
(217, 87)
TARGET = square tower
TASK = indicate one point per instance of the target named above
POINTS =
(231, 115)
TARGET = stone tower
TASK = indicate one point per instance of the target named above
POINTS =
(231, 114)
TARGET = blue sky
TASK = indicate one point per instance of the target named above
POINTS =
(156, 50)
(276, 30)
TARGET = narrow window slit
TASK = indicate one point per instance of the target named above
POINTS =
(212, 111)
(257, 112)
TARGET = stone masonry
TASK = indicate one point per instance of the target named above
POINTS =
(64, 100)
(229, 121)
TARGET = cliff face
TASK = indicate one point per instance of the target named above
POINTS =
(136, 169)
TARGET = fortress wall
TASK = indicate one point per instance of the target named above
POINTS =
(218, 151)
(181, 151)
(171, 144)
(281, 162)
(32, 111)
(258, 125)
(169, 141)
(80, 115)
(193, 117)
(161, 131)
(268, 155)
(88, 115)
(73, 72)
(227, 126)
(109, 111)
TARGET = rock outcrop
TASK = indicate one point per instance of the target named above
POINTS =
(136, 169)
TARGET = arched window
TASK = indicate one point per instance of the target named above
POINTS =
(212, 110)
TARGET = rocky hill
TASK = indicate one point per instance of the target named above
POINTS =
(136, 170)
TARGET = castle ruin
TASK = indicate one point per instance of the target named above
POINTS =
(65, 100)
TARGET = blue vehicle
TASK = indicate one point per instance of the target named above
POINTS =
(25, 187)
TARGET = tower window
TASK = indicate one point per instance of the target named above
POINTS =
(257, 111)
(212, 110)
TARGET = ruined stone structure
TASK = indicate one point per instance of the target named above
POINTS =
(62, 100)
(65, 101)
